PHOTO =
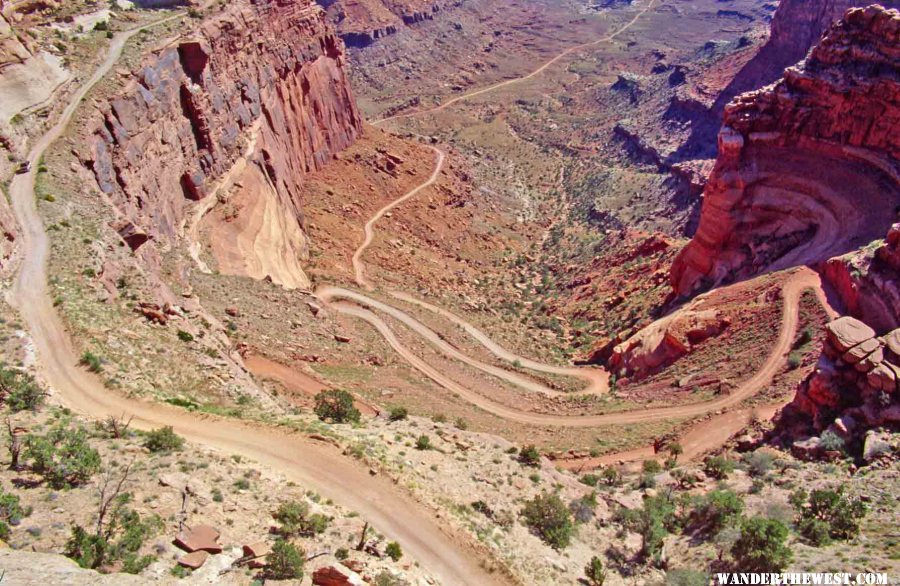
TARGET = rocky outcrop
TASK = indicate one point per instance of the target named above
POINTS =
(362, 22)
(259, 89)
(854, 388)
(797, 26)
(808, 168)
(868, 282)
(28, 76)
(664, 342)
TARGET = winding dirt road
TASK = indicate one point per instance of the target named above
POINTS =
(359, 268)
(448, 555)
(793, 287)
(526, 77)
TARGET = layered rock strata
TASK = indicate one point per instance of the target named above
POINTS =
(362, 22)
(255, 99)
(855, 388)
(808, 168)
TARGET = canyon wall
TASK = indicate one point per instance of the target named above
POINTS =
(259, 90)
(797, 26)
(361, 22)
(809, 168)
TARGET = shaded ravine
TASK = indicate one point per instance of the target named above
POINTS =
(447, 554)
(534, 73)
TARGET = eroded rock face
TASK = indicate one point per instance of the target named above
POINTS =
(362, 22)
(854, 388)
(807, 168)
(664, 342)
(261, 85)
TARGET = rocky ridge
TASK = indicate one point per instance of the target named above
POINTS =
(797, 26)
(362, 22)
(258, 89)
(807, 168)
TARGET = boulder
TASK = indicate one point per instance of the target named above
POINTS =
(846, 332)
(193, 560)
(861, 350)
(807, 449)
(877, 445)
(200, 537)
(336, 575)
(892, 346)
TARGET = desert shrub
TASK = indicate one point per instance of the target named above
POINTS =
(295, 519)
(827, 515)
(394, 551)
(342, 553)
(653, 522)
(120, 539)
(11, 512)
(547, 516)
(832, 442)
(92, 362)
(63, 457)
(336, 406)
(761, 546)
(717, 510)
(423, 442)
(185, 336)
(590, 479)
(594, 572)
(385, 578)
(675, 449)
(582, 509)
(651, 467)
(285, 561)
(610, 476)
(163, 439)
(399, 414)
(19, 391)
(759, 463)
(718, 467)
(530, 456)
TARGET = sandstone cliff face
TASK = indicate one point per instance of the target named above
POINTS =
(797, 26)
(868, 282)
(853, 389)
(258, 89)
(361, 22)
(807, 168)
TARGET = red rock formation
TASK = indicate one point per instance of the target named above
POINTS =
(796, 27)
(868, 282)
(361, 22)
(855, 387)
(664, 342)
(265, 76)
(807, 168)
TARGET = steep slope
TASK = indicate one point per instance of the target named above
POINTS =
(807, 168)
(257, 97)
(797, 26)
(361, 22)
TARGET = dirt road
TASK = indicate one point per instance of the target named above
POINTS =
(449, 556)
(528, 76)
(359, 268)
(794, 285)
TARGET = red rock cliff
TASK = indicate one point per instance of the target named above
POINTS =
(263, 82)
(808, 168)
(796, 27)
